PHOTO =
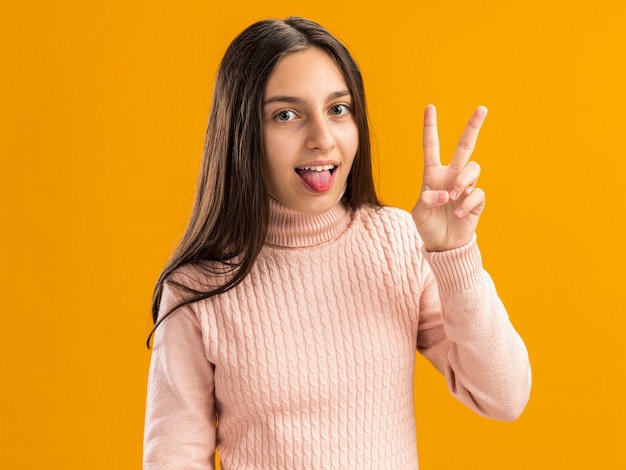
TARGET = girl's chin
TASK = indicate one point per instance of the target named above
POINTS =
(316, 204)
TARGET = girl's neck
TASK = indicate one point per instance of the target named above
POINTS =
(291, 229)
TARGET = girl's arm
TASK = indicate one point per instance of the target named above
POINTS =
(180, 414)
(464, 329)
(466, 334)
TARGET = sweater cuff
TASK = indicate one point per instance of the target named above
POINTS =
(457, 269)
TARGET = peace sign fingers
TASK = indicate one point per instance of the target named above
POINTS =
(450, 204)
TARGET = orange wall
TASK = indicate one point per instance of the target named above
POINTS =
(103, 113)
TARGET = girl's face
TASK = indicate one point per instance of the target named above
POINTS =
(310, 136)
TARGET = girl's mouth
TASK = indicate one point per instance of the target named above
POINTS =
(318, 178)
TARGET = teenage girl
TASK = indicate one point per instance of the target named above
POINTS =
(287, 319)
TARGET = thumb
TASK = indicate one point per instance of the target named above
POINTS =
(431, 200)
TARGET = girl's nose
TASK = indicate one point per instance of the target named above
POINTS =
(320, 135)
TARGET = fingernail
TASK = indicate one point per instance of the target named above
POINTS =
(453, 194)
(441, 197)
(459, 212)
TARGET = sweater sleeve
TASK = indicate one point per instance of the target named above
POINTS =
(465, 332)
(180, 424)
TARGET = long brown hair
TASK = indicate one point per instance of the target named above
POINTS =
(229, 220)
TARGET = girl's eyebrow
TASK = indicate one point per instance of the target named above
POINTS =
(296, 100)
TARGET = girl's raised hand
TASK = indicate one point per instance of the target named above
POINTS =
(450, 204)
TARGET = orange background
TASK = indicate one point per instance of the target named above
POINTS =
(104, 106)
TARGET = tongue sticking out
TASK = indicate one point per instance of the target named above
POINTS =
(318, 181)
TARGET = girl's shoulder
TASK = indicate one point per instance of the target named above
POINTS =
(386, 216)
(391, 223)
(200, 277)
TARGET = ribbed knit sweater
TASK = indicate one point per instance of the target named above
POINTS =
(309, 362)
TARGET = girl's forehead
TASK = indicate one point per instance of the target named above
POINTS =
(312, 71)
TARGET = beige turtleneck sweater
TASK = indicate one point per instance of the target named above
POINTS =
(309, 361)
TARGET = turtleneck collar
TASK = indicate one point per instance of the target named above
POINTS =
(291, 229)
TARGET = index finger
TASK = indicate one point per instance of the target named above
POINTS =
(431, 137)
(468, 139)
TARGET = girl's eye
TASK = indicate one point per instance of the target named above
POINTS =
(339, 110)
(285, 116)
